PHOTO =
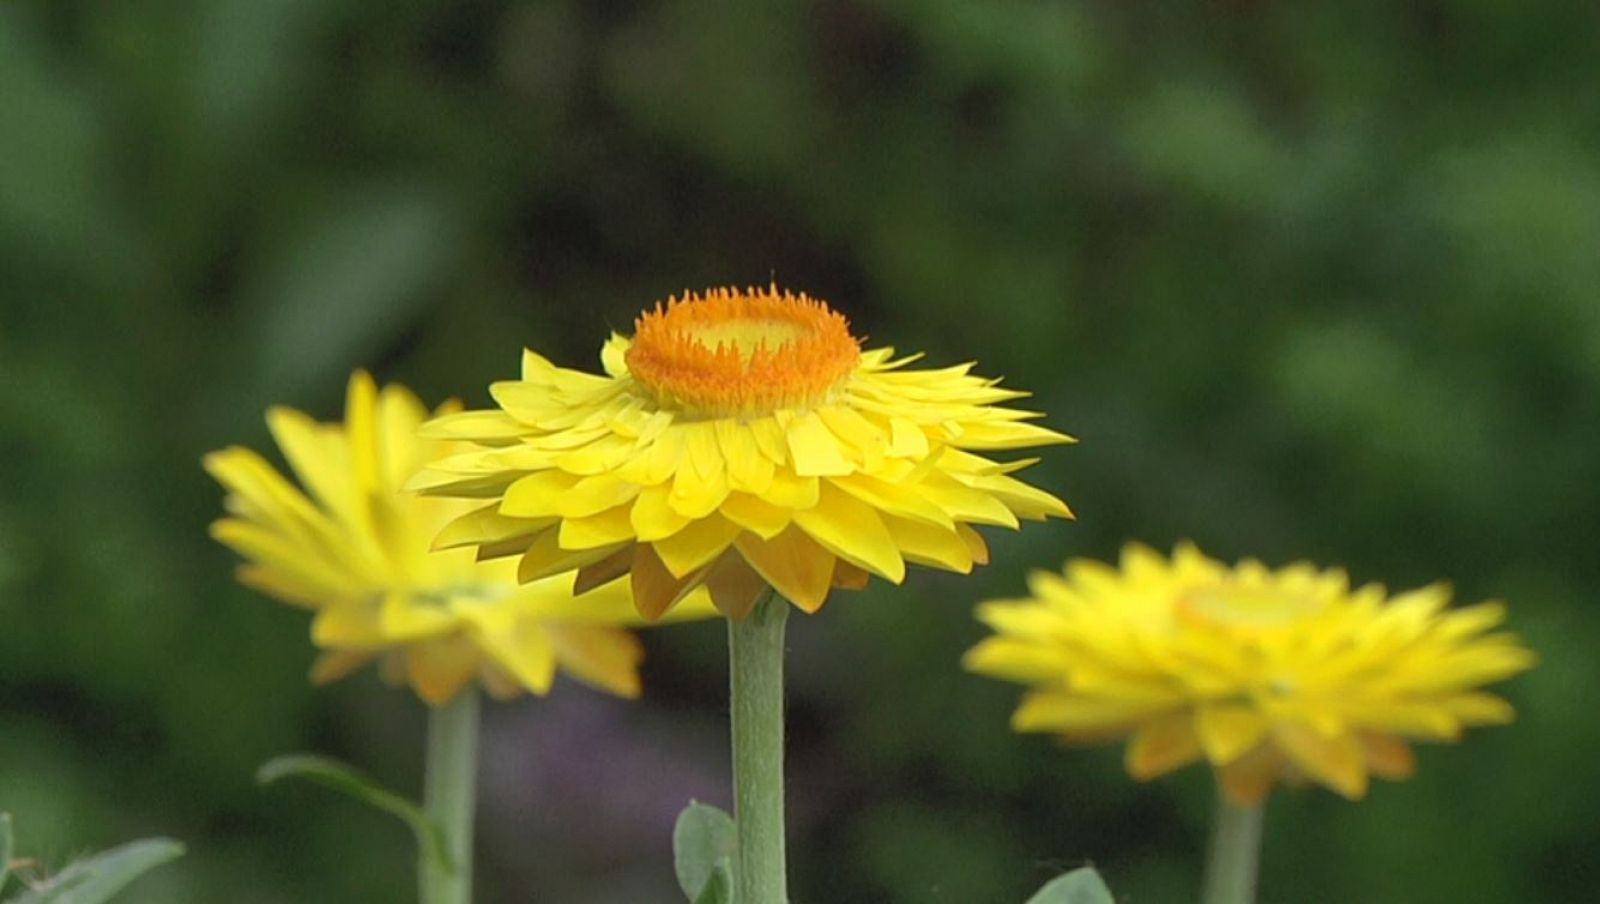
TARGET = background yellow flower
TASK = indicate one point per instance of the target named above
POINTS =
(354, 547)
(1264, 674)
(740, 440)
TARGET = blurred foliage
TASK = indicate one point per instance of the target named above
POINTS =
(1309, 280)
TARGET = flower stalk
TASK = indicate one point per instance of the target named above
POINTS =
(449, 798)
(755, 654)
(1235, 855)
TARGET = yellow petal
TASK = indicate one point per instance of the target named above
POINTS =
(597, 574)
(283, 586)
(859, 436)
(607, 658)
(901, 500)
(400, 414)
(748, 469)
(594, 494)
(755, 514)
(1337, 761)
(793, 564)
(273, 552)
(475, 425)
(500, 684)
(1388, 756)
(652, 517)
(906, 439)
(770, 440)
(702, 450)
(486, 525)
(655, 589)
(735, 587)
(849, 577)
(319, 456)
(607, 528)
(347, 626)
(545, 557)
(1026, 501)
(1162, 745)
(402, 618)
(963, 503)
(976, 547)
(1480, 709)
(1008, 435)
(361, 420)
(791, 491)
(439, 669)
(520, 645)
(696, 492)
(538, 495)
(1011, 659)
(1247, 780)
(697, 544)
(335, 664)
(1063, 711)
(659, 458)
(814, 448)
(1228, 731)
(926, 544)
(852, 530)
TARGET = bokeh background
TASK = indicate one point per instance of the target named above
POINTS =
(1310, 280)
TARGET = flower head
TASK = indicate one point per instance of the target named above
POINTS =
(354, 547)
(1266, 675)
(739, 440)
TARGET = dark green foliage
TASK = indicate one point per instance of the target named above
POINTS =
(1308, 279)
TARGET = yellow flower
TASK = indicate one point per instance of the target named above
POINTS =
(356, 551)
(739, 440)
(1266, 675)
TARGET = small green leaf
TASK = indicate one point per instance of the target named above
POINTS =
(704, 843)
(719, 887)
(348, 780)
(95, 879)
(1081, 886)
(5, 848)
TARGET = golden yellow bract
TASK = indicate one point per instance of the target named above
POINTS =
(355, 548)
(1265, 674)
(740, 440)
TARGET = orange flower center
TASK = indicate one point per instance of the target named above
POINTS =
(732, 352)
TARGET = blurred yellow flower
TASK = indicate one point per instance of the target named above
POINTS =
(355, 548)
(739, 440)
(1266, 675)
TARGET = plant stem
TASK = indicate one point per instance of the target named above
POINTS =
(449, 796)
(755, 660)
(1235, 854)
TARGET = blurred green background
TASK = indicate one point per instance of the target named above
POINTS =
(1308, 279)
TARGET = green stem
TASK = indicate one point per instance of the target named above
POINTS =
(449, 795)
(755, 659)
(1235, 854)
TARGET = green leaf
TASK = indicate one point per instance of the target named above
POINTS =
(719, 887)
(704, 844)
(96, 879)
(5, 848)
(1081, 886)
(348, 780)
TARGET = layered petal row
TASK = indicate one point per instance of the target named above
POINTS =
(751, 448)
(349, 544)
(1267, 675)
